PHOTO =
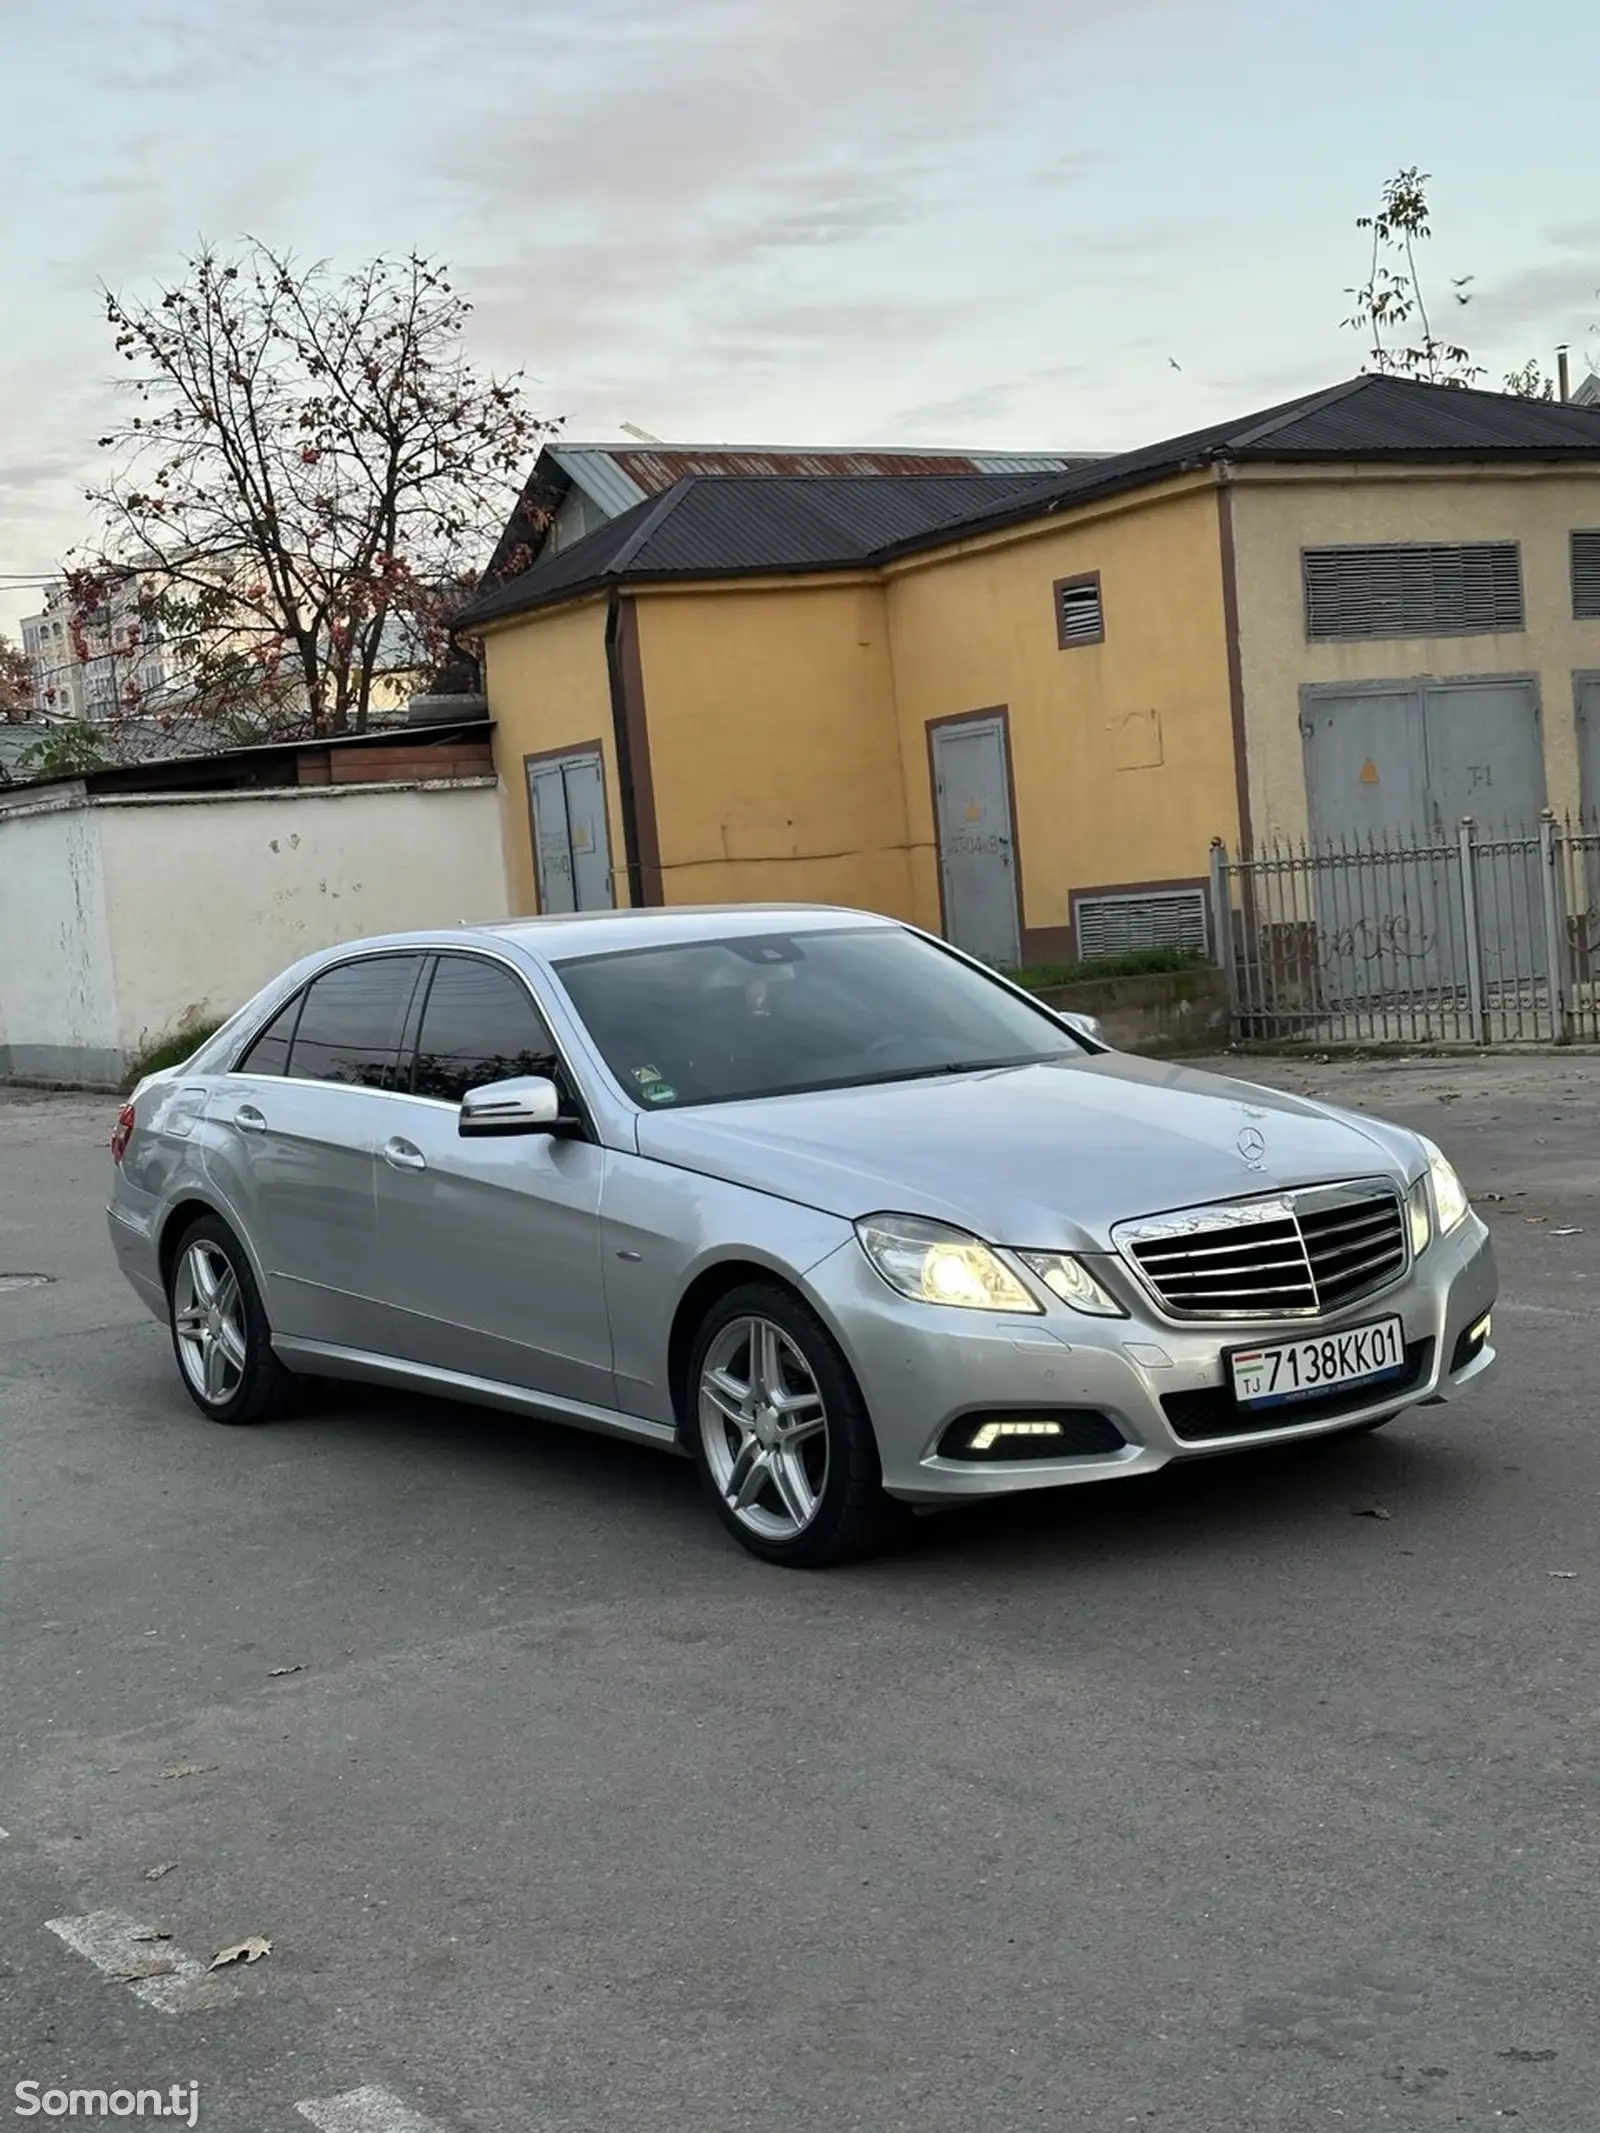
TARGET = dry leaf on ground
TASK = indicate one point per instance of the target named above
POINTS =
(243, 1951)
(147, 1966)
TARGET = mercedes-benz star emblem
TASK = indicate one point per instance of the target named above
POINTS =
(1253, 1147)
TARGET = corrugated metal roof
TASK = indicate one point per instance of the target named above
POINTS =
(730, 524)
(595, 470)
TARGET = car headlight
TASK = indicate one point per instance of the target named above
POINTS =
(1420, 1216)
(1450, 1203)
(933, 1263)
(1071, 1280)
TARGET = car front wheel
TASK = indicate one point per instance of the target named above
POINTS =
(781, 1434)
(220, 1334)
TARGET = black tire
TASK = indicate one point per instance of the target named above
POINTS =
(852, 1515)
(255, 1386)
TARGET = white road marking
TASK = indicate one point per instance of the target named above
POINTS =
(116, 1944)
(365, 2111)
(4, 1833)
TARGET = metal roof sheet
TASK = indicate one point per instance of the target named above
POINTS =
(727, 524)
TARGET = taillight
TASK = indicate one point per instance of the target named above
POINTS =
(122, 1133)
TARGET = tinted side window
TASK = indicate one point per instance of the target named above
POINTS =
(350, 1026)
(270, 1052)
(479, 1026)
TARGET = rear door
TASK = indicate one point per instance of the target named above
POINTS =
(291, 1137)
(490, 1249)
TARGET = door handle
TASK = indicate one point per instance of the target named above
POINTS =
(249, 1120)
(401, 1155)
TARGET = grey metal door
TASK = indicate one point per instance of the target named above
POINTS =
(977, 865)
(1588, 692)
(1485, 759)
(1366, 758)
(571, 845)
(1404, 763)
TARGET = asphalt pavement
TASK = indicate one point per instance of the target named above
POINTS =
(1256, 1795)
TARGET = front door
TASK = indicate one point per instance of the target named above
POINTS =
(977, 862)
(571, 844)
(489, 1250)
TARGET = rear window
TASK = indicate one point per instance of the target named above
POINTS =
(349, 1028)
(270, 1052)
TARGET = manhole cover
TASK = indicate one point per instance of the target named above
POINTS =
(25, 1281)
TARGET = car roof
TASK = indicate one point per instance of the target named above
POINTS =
(613, 932)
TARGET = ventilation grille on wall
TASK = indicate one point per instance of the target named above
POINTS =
(1080, 617)
(1586, 577)
(1413, 589)
(1160, 918)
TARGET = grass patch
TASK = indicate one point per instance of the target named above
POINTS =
(1136, 963)
(170, 1051)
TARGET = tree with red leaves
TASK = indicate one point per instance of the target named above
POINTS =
(16, 683)
(309, 480)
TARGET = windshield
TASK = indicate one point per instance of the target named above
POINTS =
(704, 1022)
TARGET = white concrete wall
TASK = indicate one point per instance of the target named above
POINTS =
(58, 1005)
(167, 911)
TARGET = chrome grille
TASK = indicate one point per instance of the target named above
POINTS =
(1298, 1255)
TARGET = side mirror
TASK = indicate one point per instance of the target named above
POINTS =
(1083, 1026)
(531, 1104)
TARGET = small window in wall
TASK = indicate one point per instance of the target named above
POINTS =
(1080, 616)
(1155, 918)
(1586, 576)
(1413, 589)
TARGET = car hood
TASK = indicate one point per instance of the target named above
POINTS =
(1048, 1156)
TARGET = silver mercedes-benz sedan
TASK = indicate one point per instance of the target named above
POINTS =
(802, 1192)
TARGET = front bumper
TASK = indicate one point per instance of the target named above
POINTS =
(922, 1367)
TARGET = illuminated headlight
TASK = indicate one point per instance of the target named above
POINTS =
(1450, 1203)
(1420, 1218)
(933, 1263)
(1071, 1280)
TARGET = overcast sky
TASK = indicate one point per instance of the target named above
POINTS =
(1046, 223)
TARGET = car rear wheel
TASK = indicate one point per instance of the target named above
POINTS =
(781, 1434)
(220, 1334)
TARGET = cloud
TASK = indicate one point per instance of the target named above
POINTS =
(699, 142)
(1559, 296)
(983, 407)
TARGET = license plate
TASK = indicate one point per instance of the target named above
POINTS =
(1293, 1370)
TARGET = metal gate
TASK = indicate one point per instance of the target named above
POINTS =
(1387, 937)
(977, 865)
(571, 845)
(1403, 763)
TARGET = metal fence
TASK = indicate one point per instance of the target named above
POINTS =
(1487, 935)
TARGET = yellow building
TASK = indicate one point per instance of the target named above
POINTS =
(1018, 707)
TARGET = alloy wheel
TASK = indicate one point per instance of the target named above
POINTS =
(208, 1320)
(764, 1427)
